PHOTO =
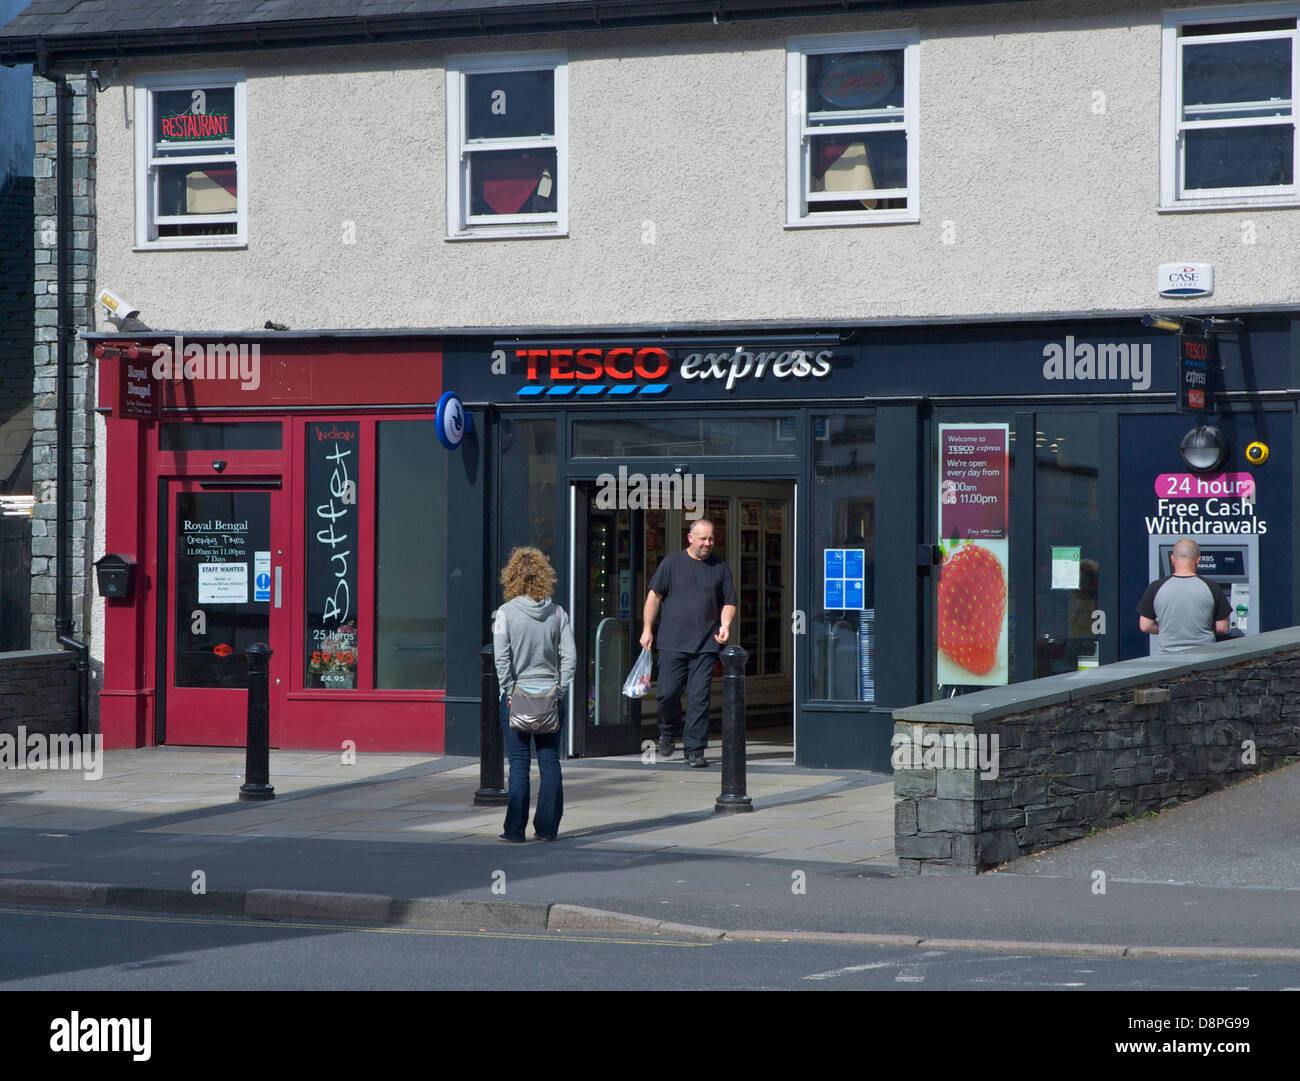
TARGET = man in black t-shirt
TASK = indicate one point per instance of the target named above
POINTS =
(693, 592)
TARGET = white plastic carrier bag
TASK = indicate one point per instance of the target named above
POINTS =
(638, 680)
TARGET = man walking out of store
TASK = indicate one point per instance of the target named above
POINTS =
(1183, 609)
(693, 592)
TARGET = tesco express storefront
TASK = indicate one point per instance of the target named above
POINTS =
(847, 470)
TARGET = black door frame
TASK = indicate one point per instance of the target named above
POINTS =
(586, 740)
(582, 475)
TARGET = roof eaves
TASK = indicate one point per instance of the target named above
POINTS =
(89, 42)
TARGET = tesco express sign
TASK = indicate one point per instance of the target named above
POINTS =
(624, 363)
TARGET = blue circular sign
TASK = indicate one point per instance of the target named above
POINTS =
(450, 420)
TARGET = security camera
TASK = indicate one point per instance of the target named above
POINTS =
(115, 307)
(219, 465)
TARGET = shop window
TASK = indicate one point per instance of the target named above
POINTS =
(974, 618)
(507, 147)
(1228, 133)
(1068, 570)
(227, 435)
(335, 489)
(374, 567)
(662, 437)
(843, 619)
(852, 129)
(529, 467)
(410, 557)
(190, 161)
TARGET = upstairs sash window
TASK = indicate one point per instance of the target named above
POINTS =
(507, 150)
(1229, 110)
(852, 130)
(190, 186)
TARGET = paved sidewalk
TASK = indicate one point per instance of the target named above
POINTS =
(616, 803)
(396, 839)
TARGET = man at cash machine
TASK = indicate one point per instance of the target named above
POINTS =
(1183, 609)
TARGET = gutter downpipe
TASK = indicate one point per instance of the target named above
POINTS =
(63, 622)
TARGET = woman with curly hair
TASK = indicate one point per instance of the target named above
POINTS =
(533, 644)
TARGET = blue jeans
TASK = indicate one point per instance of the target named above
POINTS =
(550, 800)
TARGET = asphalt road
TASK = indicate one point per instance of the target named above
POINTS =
(63, 950)
(725, 891)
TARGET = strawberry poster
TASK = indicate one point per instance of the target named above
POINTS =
(971, 614)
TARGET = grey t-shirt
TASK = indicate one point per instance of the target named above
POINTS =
(1186, 606)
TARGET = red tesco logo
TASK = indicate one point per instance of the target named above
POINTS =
(588, 365)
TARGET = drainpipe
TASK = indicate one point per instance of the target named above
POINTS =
(63, 622)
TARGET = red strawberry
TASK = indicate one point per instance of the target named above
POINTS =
(972, 598)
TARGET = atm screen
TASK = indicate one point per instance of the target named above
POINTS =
(1215, 563)
(1222, 562)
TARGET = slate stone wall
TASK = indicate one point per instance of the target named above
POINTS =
(1091, 761)
(82, 433)
(39, 692)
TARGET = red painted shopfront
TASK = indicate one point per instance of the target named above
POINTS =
(289, 493)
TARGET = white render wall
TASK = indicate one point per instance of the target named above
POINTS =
(1039, 152)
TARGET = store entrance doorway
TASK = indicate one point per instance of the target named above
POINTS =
(618, 542)
(222, 591)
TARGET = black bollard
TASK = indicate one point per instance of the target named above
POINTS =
(491, 747)
(733, 799)
(257, 743)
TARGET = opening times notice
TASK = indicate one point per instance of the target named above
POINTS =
(973, 482)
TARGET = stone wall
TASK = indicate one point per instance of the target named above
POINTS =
(38, 691)
(81, 435)
(1069, 754)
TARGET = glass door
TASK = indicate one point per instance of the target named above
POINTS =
(1071, 573)
(608, 595)
(225, 589)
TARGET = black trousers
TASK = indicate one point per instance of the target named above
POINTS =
(691, 672)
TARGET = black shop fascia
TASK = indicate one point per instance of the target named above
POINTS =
(1116, 359)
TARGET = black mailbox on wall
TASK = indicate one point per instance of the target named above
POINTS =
(116, 576)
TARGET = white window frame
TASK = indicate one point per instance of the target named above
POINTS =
(146, 163)
(460, 225)
(799, 133)
(1172, 194)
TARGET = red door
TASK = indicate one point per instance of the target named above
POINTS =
(227, 539)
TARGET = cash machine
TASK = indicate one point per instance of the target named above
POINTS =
(1232, 563)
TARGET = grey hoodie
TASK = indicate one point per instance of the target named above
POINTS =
(532, 640)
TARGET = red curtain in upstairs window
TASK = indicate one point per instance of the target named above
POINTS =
(508, 183)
